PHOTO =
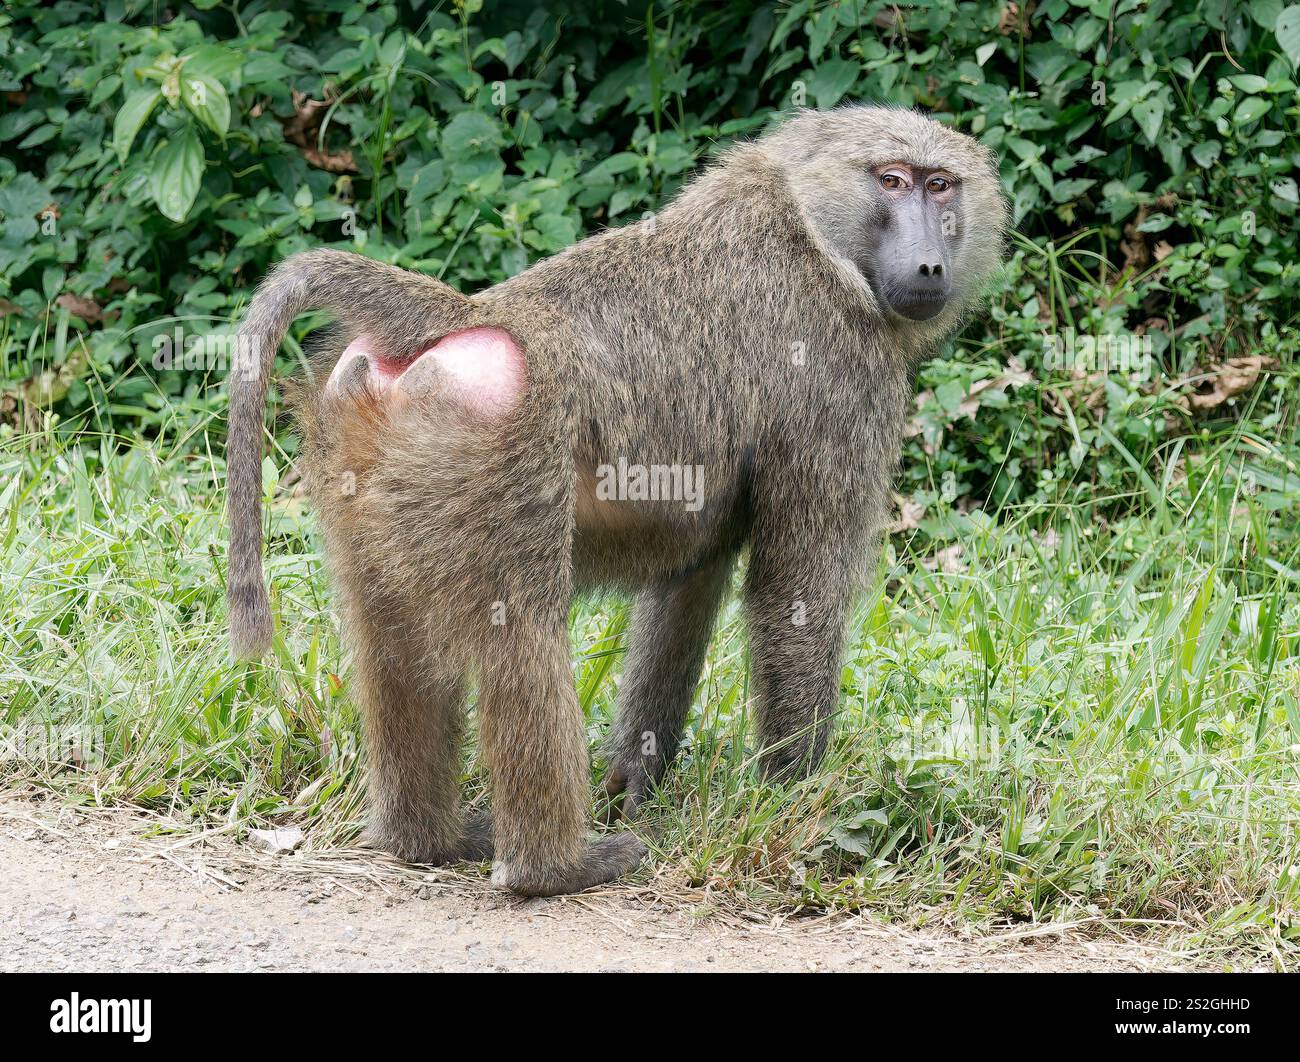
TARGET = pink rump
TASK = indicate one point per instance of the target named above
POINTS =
(483, 368)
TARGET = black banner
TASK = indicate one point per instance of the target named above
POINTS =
(233, 1011)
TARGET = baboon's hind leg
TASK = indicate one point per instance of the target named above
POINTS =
(532, 734)
(408, 669)
(413, 718)
(668, 641)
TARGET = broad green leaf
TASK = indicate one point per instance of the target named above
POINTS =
(1252, 109)
(555, 230)
(1087, 33)
(1249, 82)
(131, 116)
(177, 173)
(105, 90)
(22, 198)
(1285, 188)
(16, 123)
(1265, 12)
(1066, 190)
(1287, 29)
(1150, 115)
(820, 27)
(607, 169)
(206, 99)
(213, 60)
(831, 80)
(40, 135)
(469, 133)
(1207, 153)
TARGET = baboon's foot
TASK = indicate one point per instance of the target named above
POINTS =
(605, 859)
(476, 841)
(474, 845)
(626, 789)
(408, 847)
(788, 764)
(482, 369)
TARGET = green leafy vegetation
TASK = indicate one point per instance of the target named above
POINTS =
(1075, 696)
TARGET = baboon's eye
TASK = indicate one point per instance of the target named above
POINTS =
(938, 184)
(893, 181)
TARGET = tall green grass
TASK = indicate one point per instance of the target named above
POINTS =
(1074, 723)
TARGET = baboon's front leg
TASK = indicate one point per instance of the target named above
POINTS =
(533, 738)
(796, 598)
(668, 640)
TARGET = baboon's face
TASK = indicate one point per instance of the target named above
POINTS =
(909, 259)
(911, 207)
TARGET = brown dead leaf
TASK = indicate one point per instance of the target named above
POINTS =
(1134, 244)
(1015, 375)
(910, 512)
(7, 307)
(305, 123)
(947, 560)
(41, 390)
(87, 309)
(1090, 389)
(303, 129)
(1225, 380)
(1011, 20)
(888, 18)
(342, 162)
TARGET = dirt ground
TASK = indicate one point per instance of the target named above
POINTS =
(93, 890)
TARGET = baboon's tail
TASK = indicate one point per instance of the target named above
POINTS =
(402, 310)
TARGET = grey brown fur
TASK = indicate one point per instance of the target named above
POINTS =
(744, 329)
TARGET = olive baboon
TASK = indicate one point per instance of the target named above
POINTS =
(761, 332)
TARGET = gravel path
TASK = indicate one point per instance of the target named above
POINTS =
(88, 890)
